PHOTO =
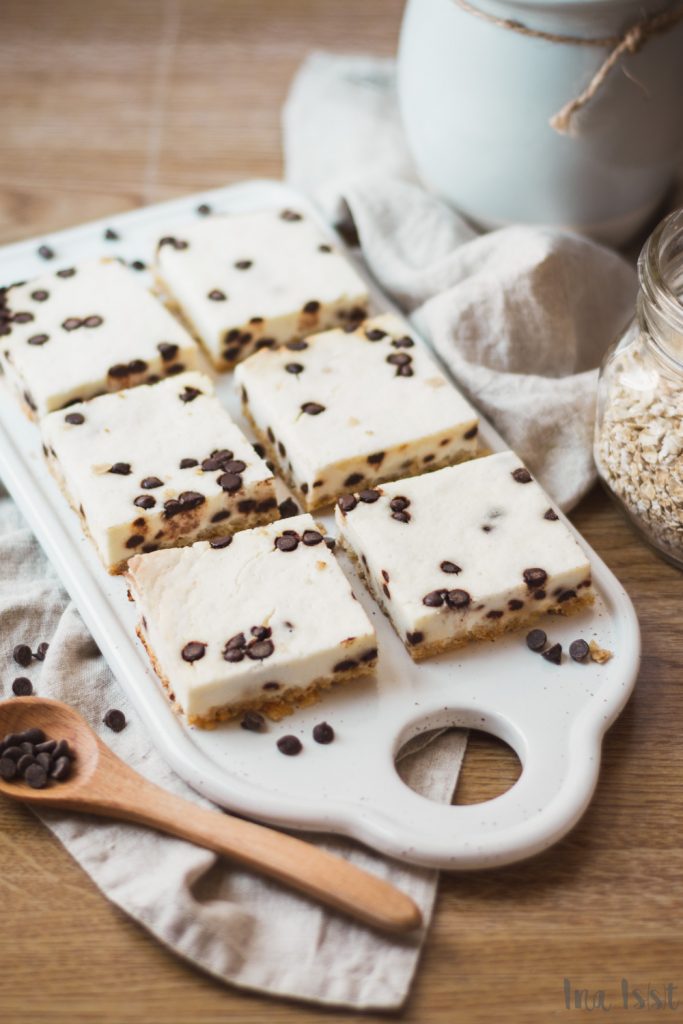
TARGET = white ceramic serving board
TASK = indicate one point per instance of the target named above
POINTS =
(554, 717)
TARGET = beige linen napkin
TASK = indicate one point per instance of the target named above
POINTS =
(237, 926)
(522, 316)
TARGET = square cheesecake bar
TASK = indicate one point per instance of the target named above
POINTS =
(69, 336)
(341, 410)
(465, 553)
(255, 280)
(272, 621)
(157, 466)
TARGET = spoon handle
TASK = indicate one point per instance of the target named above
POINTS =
(324, 876)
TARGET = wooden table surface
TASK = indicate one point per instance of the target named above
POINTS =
(108, 106)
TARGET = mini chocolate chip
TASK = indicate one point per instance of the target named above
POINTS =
(375, 334)
(298, 345)
(514, 605)
(324, 248)
(238, 640)
(229, 482)
(36, 776)
(234, 466)
(553, 654)
(330, 543)
(22, 687)
(193, 651)
(288, 508)
(287, 542)
(111, 235)
(253, 721)
(216, 295)
(566, 595)
(404, 342)
(39, 655)
(40, 295)
(347, 503)
(290, 215)
(22, 655)
(368, 655)
(353, 479)
(120, 469)
(398, 504)
(135, 540)
(72, 323)
(369, 497)
(38, 339)
(138, 265)
(247, 505)
(536, 640)
(190, 500)
(271, 686)
(312, 306)
(61, 770)
(203, 209)
(118, 371)
(188, 463)
(68, 272)
(534, 577)
(401, 517)
(261, 632)
(521, 475)
(579, 650)
(115, 720)
(220, 542)
(294, 368)
(94, 321)
(137, 366)
(188, 394)
(243, 264)
(46, 252)
(472, 432)
(289, 745)
(494, 614)
(458, 598)
(345, 666)
(148, 548)
(150, 482)
(323, 732)
(168, 351)
(74, 418)
(311, 538)
(450, 567)
(399, 359)
(219, 517)
(551, 514)
(144, 501)
(312, 408)
(257, 650)
(434, 599)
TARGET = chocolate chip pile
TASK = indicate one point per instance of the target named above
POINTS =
(537, 641)
(31, 757)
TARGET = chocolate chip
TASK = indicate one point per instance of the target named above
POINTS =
(261, 632)
(290, 215)
(22, 655)
(261, 343)
(399, 359)
(330, 543)
(514, 605)
(148, 548)
(190, 500)
(46, 747)
(62, 750)
(260, 649)
(219, 517)
(233, 654)
(345, 666)
(369, 497)
(118, 371)
(115, 720)
(67, 272)
(40, 653)
(312, 408)
(25, 761)
(368, 655)
(375, 334)
(61, 769)
(203, 209)
(234, 466)
(137, 366)
(536, 640)
(22, 687)
(450, 567)
(144, 501)
(193, 651)
(253, 721)
(494, 614)
(287, 542)
(74, 418)
(347, 503)
(33, 735)
(404, 342)
(294, 368)
(311, 537)
(401, 517)
(551, 514)
(312, 306)
(150, 482)
(458, 598)
(288, 508)
(579, 650)
(188, 463)
(271, 686)
(247, 505)
(238, 640)
(111, 235)
(324, 248)
(13, 751)
(472, 432)
(220, 542)
(95, 321)
(135, 540)
(534, 577)
(40, 295)
(72, 323)
(36, 776)
(216, 295)
(229, 482)
(289, 745)
(8, 769)
(521, 475)
(434, 599)
(398, 504)
(120, 469)
(45, 252)
(243, 264)
(38, 339)
(566, 595)
(352, 479)
(553, 654)
(168, 351)
(188, 394)
(323, 732)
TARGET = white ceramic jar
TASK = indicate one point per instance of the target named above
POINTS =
(476, 100)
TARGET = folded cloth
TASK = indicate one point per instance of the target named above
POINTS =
(238, 926)
(522, 316)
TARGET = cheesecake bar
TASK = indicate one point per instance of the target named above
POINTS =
(272, 621)
(344, 410)
(256, 280)
(69, 336)
(465, 553)
(157, 466)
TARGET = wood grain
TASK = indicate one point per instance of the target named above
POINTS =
(107, 106)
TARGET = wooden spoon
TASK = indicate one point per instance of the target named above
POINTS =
(100, 783)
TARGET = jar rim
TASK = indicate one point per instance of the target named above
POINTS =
(662, 249)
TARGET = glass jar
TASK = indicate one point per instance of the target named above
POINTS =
(639, 425)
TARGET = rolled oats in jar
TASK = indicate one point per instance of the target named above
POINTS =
(639, 426)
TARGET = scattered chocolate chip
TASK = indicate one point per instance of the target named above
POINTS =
(137, 366)
(40, 295)
(311, 537)
(45, 252)
(450, 567)
(534, 577)
(22, 687)
(22, 655)
(188, 394)
(536, 640)
(115, 720)
(238, 640)
(193, 651)
(323, 732)
(38, 339)
(551, 514)
(111, 235)
(259, 649)
(261, 632)
(347, 503)
(150, 482)
(566, 595)
(253, 721)
(271, 686)
(188, 463)
(288, 508)
(399, 359)
(553, 654)
(434, 599)
(220, 542)
(521, 475)
(369, 496)
(219, 517)
(216, 295)
(118, 371)
(579, 650)
(120, 469)
(287, 542)
(138, 265)
(289, 745)
(458, 598)
(144, 501)
(312, 408)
